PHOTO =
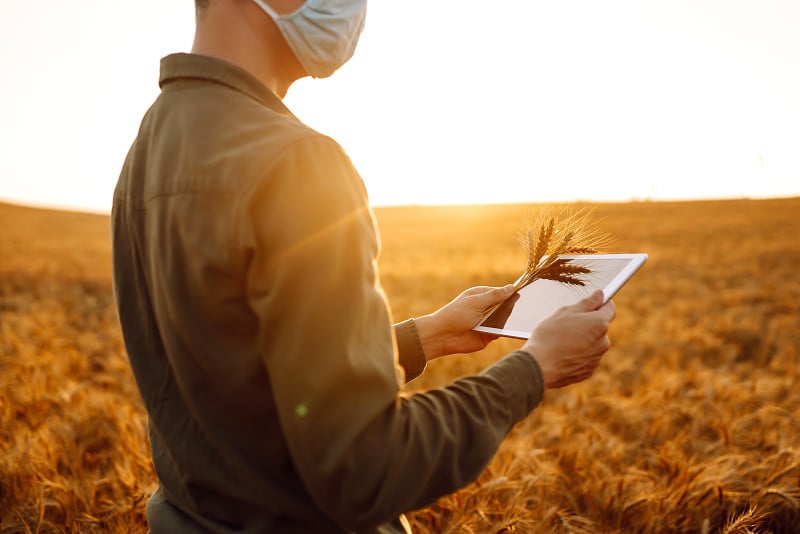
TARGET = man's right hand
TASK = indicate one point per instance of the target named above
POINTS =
(569, 344)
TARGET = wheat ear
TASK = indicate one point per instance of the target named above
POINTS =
(559, 234)
(552, 235)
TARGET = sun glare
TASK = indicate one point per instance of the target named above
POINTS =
(562, 101)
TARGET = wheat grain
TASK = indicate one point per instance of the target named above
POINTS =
(793, 469)
(579, 235)
(792, 500)
(746, 522)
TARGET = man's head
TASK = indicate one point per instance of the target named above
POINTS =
(322, 33)
(280, 41)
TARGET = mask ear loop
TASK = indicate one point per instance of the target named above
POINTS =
(274, 14)
(268, 8)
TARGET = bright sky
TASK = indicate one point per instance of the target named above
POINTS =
(446, 101)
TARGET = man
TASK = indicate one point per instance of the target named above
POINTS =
(245, 276)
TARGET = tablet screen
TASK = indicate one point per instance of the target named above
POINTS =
(519, 315)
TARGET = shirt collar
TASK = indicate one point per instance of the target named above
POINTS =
(182, 66)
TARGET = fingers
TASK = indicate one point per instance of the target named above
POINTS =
(608, 311)
(582, 370)
(600, 317)
(597, 351)
(590, 303)
(477, 290)
(572, 354)
(490, 296)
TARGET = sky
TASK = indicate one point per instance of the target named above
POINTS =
(446, 101)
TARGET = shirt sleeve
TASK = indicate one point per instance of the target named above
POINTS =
(365, 452)
(409, 349)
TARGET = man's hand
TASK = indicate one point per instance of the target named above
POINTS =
(449, 329)
(570, 343)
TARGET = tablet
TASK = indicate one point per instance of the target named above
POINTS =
(519, 314)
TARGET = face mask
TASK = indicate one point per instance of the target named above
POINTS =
(321, 33)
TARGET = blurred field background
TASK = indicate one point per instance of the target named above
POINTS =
(690, 425)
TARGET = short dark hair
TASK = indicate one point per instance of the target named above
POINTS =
(201, 4)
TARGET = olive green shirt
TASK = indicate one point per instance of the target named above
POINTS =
(244, 255)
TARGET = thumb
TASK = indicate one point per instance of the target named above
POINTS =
(590, 303)
(494, 296)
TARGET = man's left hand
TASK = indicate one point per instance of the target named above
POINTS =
(448, 330)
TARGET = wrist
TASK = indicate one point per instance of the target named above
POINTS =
(531, 350)
(428, 336)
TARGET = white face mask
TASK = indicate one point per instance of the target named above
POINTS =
(322, 33)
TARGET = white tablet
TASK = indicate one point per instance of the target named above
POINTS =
(519, 314)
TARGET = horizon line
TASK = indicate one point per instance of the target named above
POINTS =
(52, 206)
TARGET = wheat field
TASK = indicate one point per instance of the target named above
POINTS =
(690, 425)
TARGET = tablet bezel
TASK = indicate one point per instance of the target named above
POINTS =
(635, 261)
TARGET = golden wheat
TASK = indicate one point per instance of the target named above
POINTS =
(559, 233)
(689, 425)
